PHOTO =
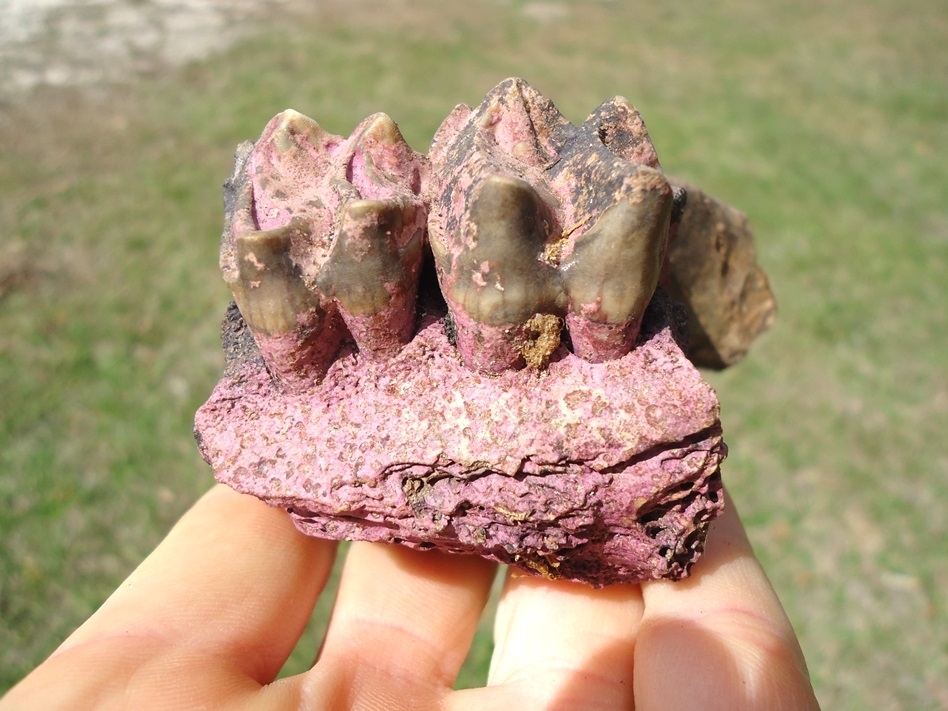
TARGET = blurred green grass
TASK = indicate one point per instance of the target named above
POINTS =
(826, 124)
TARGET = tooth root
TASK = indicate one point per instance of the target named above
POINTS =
(296, 336)
(614, 268)
(373, 270)
(496, 281)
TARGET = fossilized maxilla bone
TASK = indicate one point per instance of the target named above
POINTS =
(467, 351)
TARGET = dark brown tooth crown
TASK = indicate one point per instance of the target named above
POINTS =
(533, 215)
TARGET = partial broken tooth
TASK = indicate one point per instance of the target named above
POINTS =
(614, 267)
(712, 269)
(373, 270)
(493, 277)
(297, 337)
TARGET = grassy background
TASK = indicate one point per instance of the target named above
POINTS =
(825, 123)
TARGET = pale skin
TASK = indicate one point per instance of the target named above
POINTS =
(208, 619)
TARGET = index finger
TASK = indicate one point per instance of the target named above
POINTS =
(215, 609)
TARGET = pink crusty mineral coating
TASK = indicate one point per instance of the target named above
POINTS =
(587, 472)
(600, 472)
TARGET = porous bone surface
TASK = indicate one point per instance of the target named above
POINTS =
(601, 473)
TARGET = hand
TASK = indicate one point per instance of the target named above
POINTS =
(208, 619)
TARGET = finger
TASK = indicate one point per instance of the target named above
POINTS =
(719, 640)
(566, 645)
(401, 627)
(234, 581)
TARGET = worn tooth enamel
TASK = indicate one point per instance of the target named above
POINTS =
(296, 335)
(496, 280)
(281, 170)
(621, 129)
(373, 269)
(508, 230)
(613, 270)
(269, 289)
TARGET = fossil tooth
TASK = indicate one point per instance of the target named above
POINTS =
(497, 280)
(492, 219)
(613, 270)
(297, 337)
(324, 234)
(591, 224)
(374, 265)
(373, 269)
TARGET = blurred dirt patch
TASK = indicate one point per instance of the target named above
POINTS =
(17, 269)
(90, 42)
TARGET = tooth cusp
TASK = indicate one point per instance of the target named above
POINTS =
(621, 129)
(281, 170)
